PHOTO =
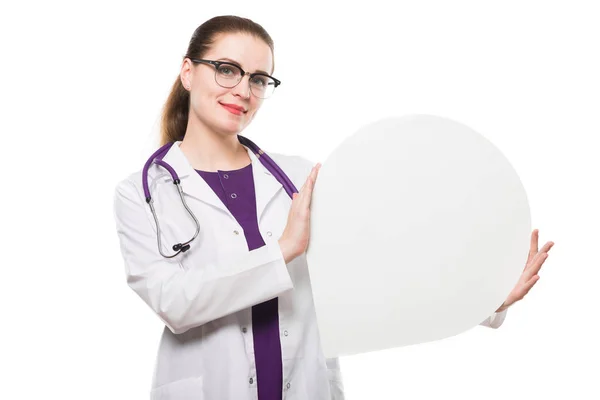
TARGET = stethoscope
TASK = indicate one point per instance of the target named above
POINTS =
(156, 158)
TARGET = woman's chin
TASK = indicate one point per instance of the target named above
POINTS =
(231, 128)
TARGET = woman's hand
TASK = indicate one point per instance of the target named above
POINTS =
(530, 276)
(295, 236)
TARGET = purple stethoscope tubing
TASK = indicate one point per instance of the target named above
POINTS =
(156, 158)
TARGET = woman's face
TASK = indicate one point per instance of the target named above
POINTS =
(207, 98)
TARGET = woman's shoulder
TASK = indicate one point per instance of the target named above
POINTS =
(130, 186)
(293, 162)
(297, 167)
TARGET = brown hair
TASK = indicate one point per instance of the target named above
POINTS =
(176, 109)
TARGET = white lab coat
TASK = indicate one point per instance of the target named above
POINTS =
(204, 296)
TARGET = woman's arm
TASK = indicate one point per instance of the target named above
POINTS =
(186, 298)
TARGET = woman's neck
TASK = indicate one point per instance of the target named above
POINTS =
(212, 152)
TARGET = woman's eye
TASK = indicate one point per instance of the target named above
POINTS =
(259, 81)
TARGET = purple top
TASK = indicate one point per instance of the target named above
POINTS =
(236, 190)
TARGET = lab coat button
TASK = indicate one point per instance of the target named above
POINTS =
(233, 195)
(285, 333)
(236, 232)
(244, 329)
(288, 385)
(269, 233)
(251, 381)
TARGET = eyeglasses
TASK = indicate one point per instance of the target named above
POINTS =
(228, 75)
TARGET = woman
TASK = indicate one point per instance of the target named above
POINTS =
(238, 308)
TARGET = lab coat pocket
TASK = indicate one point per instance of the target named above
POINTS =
(183, 389)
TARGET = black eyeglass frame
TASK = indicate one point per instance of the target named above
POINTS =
(217, 64)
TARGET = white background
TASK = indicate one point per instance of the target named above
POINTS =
(82, 85)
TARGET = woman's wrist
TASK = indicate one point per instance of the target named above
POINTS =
(501, 308)
(286, 250)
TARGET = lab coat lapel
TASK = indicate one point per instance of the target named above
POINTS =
(265, 184)
(192, 183)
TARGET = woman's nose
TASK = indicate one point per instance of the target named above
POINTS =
(243, 88)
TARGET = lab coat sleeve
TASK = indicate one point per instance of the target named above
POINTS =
(184, 298)
(334, 375)
(495, 320)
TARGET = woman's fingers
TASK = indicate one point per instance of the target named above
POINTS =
(301, 195)
(535, 266)
(533, 246)
(535, 263)
(547, 247)
(311, 184)
(529, 284)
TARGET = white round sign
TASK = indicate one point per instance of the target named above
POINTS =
(419, 230)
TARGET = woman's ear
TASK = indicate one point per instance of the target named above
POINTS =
(186, 74)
